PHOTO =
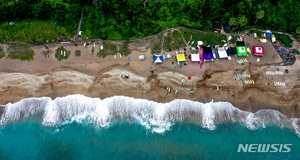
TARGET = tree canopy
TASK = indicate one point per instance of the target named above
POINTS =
(128, 19)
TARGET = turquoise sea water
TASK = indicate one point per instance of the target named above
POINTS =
(31, 140)
(79, 127)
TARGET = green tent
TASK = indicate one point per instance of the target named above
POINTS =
(242, 51)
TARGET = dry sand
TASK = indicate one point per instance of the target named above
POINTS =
(96, 77)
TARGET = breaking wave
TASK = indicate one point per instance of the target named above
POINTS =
(154, 116)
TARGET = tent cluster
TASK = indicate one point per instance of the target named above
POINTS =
(208, 54)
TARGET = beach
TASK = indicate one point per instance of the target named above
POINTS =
(92, 76)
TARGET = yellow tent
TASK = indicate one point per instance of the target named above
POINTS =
(180, 58)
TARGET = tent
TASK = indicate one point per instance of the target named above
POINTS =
(207, 50)
(167, 56)
(207, 54)
(180, 57)
(241, 51)
(158, 59)
(269, 34)
(258, 50)
(233, 50)
(222, 52)
(228, 51)
(240, 43)
(195, 57)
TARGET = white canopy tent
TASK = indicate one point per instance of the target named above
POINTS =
(222, 52)
(195, 57)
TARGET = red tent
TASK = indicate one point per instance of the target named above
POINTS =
(258, 50)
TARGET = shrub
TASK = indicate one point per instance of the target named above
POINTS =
(2, 53)
(61, 53)
(77, 53)
(20, 52)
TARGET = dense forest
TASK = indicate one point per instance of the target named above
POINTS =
(129, 19)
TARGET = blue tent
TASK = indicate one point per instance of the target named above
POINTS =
(269, 34)
(158, 59)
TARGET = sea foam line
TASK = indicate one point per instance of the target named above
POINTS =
(157, 117)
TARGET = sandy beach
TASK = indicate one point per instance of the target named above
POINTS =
(92, 76)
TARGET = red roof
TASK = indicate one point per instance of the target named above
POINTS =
(258, 50)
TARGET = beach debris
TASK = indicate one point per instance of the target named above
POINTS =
(94, 45)
(127, 76)
(279, 84)
(183, 81)
(286, 71)
(274, 73)
(258, 59)
(101, 47)
(189, 78)
(243, 75)
(242, 61)
(191, 91)
(84, 44)
(141, 57)
(217, 87)
(129, 58)
(115, 56)
(176, 91)
(120, 55)
(168, 89)
(249, 81)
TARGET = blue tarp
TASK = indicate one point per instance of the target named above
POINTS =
(158, 58)
(269, 34)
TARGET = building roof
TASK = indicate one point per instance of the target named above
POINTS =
(258, 50)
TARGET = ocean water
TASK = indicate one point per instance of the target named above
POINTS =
(79, 127)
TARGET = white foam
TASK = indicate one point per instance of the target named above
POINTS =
(157, 117)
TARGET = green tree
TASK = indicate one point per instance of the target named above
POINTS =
(232, 22)
(298, 30)
(259, 15)
(243, 21)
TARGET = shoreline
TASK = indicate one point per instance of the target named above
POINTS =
(92, 76)
(152, 90)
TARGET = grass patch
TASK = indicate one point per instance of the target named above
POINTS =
(210, 39)
(258, 33)
(286, 40)
(61, 53)
(77, 53)
(47, 52)
(2, 53)
(157, 44)
(124, 49)
(174, 41)
(108, 49)
(29, 31)
(93, 50)
(20, 52)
